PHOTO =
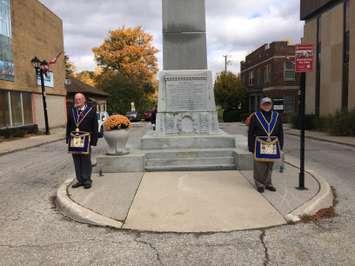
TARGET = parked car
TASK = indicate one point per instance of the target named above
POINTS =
(148, 116)
(101, 117)
(133, 116)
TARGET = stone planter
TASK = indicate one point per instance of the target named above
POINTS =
(116, 141)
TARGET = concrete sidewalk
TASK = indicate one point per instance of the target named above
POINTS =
(322, 136)
(25, 143)
(192, 201)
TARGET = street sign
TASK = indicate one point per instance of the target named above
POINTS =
(304, 58)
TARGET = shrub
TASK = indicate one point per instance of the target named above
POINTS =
(234, 116)
(339, 124)
(311, 122)
(342, 124)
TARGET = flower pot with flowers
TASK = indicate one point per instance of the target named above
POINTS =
(116, 134)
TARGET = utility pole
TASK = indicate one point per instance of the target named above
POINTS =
(226, 63)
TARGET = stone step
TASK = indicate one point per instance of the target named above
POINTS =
(189, 153)
(190, 161)
(196, 167)
(225, 141)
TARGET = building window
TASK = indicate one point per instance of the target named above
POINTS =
(259, 77)
(251, 78)
(289, 71)
(6, 55)
(267, 74)
(15, 109)
(4, 109)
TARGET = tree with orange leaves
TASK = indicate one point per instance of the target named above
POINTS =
(128, 63)
(129, 51)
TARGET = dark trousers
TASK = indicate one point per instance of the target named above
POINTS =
(263, 173)
(83, 168)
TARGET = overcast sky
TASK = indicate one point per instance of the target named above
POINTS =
(234, 27)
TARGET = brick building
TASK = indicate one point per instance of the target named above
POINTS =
(28, 29)
(270, 71)
(330, 26)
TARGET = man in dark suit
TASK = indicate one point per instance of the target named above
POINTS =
(86, 116)
(263, 170)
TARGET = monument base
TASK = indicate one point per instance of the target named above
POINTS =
(194, 152)
(186, 103)
(181, 153)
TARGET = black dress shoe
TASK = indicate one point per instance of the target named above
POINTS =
(260, 189)
(271, 188)
(76, 185)
(87, 186)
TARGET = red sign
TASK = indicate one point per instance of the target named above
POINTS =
(304, 58)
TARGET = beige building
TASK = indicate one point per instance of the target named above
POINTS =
(29, 29)
(330, 26)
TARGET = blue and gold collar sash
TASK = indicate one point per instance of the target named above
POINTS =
(268, 127)
(78, 119)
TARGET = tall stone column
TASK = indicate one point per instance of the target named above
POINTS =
(184, 35)
(186, 97)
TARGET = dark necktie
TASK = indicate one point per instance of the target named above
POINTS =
(81, 112)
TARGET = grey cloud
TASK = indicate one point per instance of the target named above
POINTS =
(86, 23)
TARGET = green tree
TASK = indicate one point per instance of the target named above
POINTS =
(231, 96)
(122, 92)
(230, 93)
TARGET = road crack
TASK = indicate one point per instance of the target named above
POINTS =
(266, 250)
(155, 250)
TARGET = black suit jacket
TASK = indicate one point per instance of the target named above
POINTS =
(89, 124)
(256, 130)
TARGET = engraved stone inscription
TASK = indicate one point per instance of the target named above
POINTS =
(186, 95)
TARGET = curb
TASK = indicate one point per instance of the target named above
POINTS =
(33, 146)
(78, 213)
(322, 139)
(322, 200)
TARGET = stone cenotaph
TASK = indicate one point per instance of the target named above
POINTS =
(187, 135)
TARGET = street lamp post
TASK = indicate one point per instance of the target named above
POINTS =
(39, 65)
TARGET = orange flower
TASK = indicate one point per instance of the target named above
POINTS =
(116, 122)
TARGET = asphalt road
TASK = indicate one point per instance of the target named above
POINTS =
(32, 232)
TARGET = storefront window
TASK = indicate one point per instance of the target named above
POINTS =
(4, 109)
(27, 108)
(16, 109)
